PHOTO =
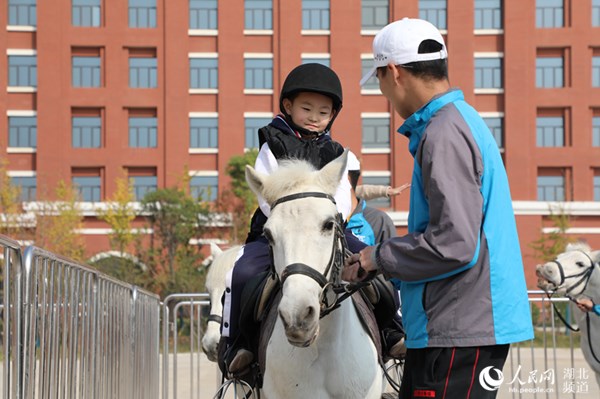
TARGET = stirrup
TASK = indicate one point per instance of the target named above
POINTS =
(241, 389)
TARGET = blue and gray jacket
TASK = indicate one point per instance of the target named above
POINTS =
(460, 265)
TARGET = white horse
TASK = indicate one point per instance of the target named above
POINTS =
(222, 262)
(575, 273)
(309, 356)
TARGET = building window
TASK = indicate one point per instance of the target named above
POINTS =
(551, 188)
(550, 131)
(204, 73)
(596, 188)
(596, 71)
(376, 133)
(372, 83)
(203, 14)
(251, 125)
(495, 124)
(549, 13)
(258, 14)
(22, 12)
(315, 14)
(143, 69)
(204, 133)
(86, 13)
(88, 184)
(86, 68)
(374, 14)
(22, 131)
(434, 11)
(488, 14)
(595, 12)
(143, 131)
(142, 13)
(142, 184)
(258, 73)
(27, 186)
(324, 60)
(596, 131)
(488, 73)
(383, 180)
(22, 70)
(549, 72)
(204, 188)
(86, 129)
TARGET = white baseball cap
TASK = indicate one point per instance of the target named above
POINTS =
(353, 162)
(398, 43)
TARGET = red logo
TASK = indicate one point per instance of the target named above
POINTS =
(423, 393)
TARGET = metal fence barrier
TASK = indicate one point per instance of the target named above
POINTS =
(70, 331)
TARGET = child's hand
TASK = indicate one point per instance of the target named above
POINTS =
(585, 304)
(391, 191)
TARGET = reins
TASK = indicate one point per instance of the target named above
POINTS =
(331, 278)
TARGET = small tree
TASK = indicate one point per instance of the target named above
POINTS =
(239, 199)
(57, 223)
(551, 244)
(11, 210)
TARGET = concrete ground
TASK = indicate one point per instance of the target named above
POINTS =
(197, 378)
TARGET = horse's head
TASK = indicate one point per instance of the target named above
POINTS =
(569, 273)
(304, 231)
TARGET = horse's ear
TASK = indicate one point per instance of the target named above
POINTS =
(332, 173)
(215, 250)
(255, 180)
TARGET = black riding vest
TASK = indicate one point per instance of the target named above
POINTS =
(319, 152)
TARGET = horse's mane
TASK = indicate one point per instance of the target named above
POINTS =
(578, 246)
(289, 176)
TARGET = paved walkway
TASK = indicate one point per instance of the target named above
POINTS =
(197, 377)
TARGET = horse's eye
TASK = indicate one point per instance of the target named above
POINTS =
(269, 236)
(580, 264)
(328, 226)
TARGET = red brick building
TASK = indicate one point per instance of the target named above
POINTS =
(159, 87)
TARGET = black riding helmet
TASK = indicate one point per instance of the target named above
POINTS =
(315, 78)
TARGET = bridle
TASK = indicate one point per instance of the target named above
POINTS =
(331, 279)
(584, 278)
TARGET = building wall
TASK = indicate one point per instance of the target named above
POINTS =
(54, 40)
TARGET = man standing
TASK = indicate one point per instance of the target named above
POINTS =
(464, 297)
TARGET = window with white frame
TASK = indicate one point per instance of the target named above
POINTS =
(549, 13)
(315, 14)
(22, 70)
(143, 72)
(596, 183)
(596, 131)
(374, 14)
(142, 185)
(551, 188)
(372, 84)
(258, 14)
(549, 72)
(22, 131)
(550, 131)
(88, 188)
(22, 12)
(86, 13)
(142, 13)
(27, 186)
(143, 131)
(251, 126)
(488, 73)
(204, 187)
(258, 73)
(496, 126)
(378, 179)
(316, 59)
(434, 11)
(203, 14)
(86, 131)
(204, 132)
(595, 12)
(596, 71)
(86, 70)
(488, 14)
(204, 73)
(376, 132)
